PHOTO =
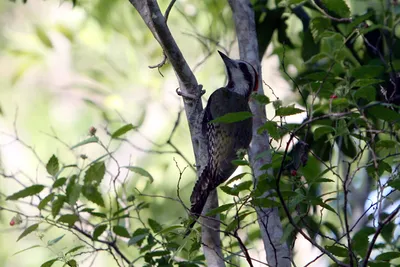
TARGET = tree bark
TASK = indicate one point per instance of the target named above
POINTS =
(156, 22)
(277, 252)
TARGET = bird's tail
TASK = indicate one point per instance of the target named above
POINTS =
(199, 196)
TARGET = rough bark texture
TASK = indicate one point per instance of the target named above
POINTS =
(278, 253)
(155, 21)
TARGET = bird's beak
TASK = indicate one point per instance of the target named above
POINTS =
(228, 62)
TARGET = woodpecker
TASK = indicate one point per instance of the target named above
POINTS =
(224, 139)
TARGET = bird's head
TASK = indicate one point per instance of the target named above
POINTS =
(242, 77)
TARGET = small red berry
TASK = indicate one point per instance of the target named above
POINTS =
(333, 97)
(12, 222)
(293, 172)
(92, 131)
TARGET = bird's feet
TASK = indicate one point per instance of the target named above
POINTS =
(191, 97)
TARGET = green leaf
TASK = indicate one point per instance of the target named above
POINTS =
(365, 82)
(367, 72)
(43, 37)
(235, 178)
(320, 202)
(94, 175)
(57, 205)
(92, 194)
(288, 111)
(323, 130)
(49, 263)
(386, 144)
(233, 117)
(69, 219)
(366, 92)
(272, 128)
(140, 171)
(220, 209)
(337, 251)
(124, 129)
(73, 190)
(99, 230)
(340, 102)
(155, 226)
(395, 184)
(26, 249)
(28, 230)
(92, 139)
(262, 99)
(236, 189)
(74, 249)
(55, 240)
(59, 182)
(240, 162)
(72, 263)
(45, 201)
(29, 191)
(265, 202)
(138, 236)
(169, 229)
(388, 256)
(52, 166)
(383, 113)
(338, 7)
(121, 231)
(378, 264)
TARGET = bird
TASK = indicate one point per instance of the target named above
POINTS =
(224, 140)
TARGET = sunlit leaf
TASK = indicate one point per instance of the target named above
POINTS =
(29, 191)
(288, 111)
(26, 249)
(92, 194)
(49, 263)
(92, 139)
(45, 201)
(138, 236)
(69, 219)
(140, 171)
(52, 166)
(121, 231)
(55, 240)
(57, 205)
(74, 249)
(94, 175)
(154, 225)
(59, 182)
(72, 263)
(124, 129)
(28, 230)
(73, 190)
(99, 230)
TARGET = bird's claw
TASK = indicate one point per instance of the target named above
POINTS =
(191, 96)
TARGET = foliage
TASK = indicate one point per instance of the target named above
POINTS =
(339, 159)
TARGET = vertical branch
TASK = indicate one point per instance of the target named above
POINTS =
(156, 22)
(270, 225)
